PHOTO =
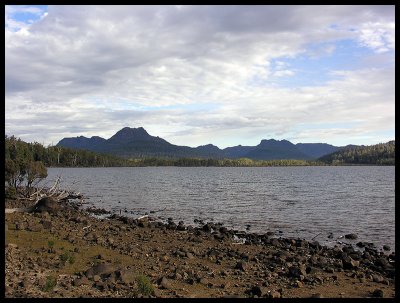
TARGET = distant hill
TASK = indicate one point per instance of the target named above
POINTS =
(238, 151)
(137, 143)
(270, 149)
(378, 154)
(316, 150)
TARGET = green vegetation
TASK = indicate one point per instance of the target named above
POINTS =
(28, 161)
(67, 257)
(56, 156)
(144, 285)
(21, 167)
(379, 154)
(50, 244)
(19, 153)
(50, 283)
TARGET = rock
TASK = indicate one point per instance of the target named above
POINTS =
(351, 236)
(165, 283)
(171, 225)
(157, 293)
(275, 294)
(218, 236)
(382, 262)
(377, 278)
(297, 271)
(377, 293)
(164, 258)
(330, 270)
(100, 269)
(96, 278)
(143, 223)
(181, 226)
(178, 276)
(386, 247)
(276, 242)
(349, 263)
(125, 276)
(317, 295)
(206, 227)
(189, 255)
(81, 281)
(259, 291)
(46, 224)
(180, 253)
(21, 225)
(35, 227)
(360, 244)
(47, 204)
(241, 265)
(223, 230)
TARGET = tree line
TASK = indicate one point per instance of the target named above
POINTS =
(28, 161)
(378, 154)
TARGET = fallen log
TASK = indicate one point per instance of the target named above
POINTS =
(45, 201)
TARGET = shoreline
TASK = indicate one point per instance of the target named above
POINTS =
(247, 232)
(180, 260)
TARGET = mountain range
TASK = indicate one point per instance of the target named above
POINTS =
(137, 143)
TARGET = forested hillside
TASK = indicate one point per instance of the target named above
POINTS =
(379, 154)
(17, 151)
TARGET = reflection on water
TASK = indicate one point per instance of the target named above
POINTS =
(297, 201)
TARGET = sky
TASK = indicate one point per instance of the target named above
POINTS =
(194, 75)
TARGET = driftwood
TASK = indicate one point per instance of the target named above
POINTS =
(41, 197)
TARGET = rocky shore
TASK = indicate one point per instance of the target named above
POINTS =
(61, 250)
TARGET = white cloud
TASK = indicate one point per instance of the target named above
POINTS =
(378, 36)
(95, 69)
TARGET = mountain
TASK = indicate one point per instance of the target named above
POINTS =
(81, 142)
(138, 143)
(316, 150)
(378, 154)
(238, 151)
(271, 149)
(209, 151)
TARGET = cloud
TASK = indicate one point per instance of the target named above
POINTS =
(92, 70)
(378, 36)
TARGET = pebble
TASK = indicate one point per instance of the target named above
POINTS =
(165, 283)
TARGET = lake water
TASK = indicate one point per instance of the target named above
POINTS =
(303, 202)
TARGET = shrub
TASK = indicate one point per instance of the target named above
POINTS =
(50, 283)
(67, 256)
(144, 287)
(50, 244)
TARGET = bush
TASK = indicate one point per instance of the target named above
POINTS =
(50, 283)
(50, 244)
(67, 256)
(144, 287)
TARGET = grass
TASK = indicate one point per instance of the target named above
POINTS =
(77, 262)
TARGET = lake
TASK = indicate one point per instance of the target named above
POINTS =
(303, 202)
